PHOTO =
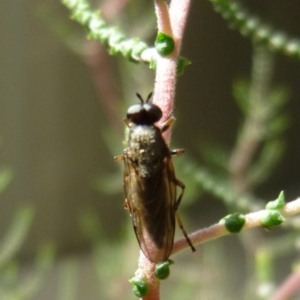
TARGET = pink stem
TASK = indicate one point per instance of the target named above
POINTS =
(178, 14)
(146, 271)
(288, 288)
(171, 21)
(164, 93)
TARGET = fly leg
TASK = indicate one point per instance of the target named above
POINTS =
(177, 152)
(179, 184)
(127, 206)
(182, 186)
(119, 158)
(167, 124)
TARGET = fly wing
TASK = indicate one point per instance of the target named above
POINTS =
(151, 203)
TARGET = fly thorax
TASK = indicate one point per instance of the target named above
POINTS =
(147, 149)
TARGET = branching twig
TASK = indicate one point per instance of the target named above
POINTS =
(166, 67)
(218, 230)
(253, 131)
(251, 25)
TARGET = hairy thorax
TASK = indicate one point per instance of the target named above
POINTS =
(146, 149)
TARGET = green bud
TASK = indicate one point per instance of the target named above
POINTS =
(272, 218)
(164, 44)
(162, 270)
(181, 64)
(140, 287)
(234, 222)
(278, 203)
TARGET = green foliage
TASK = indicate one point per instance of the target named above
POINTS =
(15, 235)
(5, 178)
(213, 181)
(11, 288)
(134, 49)
(264, 264)
(27, 289)
(99, 30)
(269, 156)
(251, 26)
(181, 64)
(68, 279)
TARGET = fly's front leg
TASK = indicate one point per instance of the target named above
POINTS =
(127, 206)
(119, 158)
(167, 124)
(127, 122)
(182, 186)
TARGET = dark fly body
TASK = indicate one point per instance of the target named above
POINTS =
(150, 182)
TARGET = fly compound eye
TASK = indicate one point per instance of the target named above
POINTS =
(153, 112)
(144, 114)
(134, 113)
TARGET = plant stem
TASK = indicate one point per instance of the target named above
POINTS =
(288, 287)
(164, 92)
(253, 132)
(171, 21)
(219, 230)
(163, 17)
(178, 14)
(146, 271)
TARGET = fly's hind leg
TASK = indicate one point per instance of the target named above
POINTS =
(182, 186)
(184, 232)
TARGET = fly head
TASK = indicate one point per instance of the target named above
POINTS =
(144, 113)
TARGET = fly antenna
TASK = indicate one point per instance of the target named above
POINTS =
(140, 97)
(149, 97)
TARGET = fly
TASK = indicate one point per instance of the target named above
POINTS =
(150, 182)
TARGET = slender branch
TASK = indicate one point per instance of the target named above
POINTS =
(165, 79)
(172, 22)
(178, 15)
(99, 30)
(163, 17)
(219, 230)
(288, 287)
(259, 31)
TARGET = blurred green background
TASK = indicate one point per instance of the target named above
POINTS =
(60, 128)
